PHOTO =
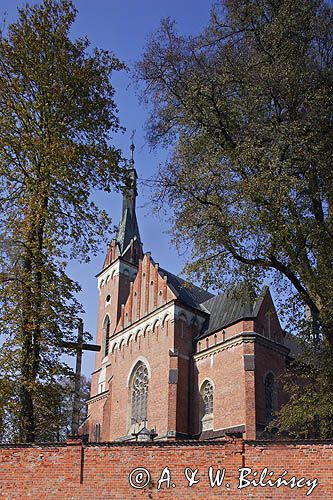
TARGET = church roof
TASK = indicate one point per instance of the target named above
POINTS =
(230, 307)
(127, 229)
(187, 293)
(222, 310)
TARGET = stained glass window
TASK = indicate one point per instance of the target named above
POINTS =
(207, 393)
(139, 393)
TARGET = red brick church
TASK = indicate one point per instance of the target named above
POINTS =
(175, 358)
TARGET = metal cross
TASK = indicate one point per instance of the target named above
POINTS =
(132, 147)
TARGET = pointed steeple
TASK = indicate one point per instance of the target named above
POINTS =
(128, 228)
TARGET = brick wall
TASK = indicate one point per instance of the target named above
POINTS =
(153, 348)
(268, 361)
(75, 471)
(225, 370)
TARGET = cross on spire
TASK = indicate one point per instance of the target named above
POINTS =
(128, 228)
(132, 148)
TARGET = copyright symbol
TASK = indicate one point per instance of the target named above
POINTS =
(139, 478)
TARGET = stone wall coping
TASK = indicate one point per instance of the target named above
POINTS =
(171, 444)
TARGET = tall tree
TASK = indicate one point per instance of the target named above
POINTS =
(53, 409)
(247, 109)
(57, 112)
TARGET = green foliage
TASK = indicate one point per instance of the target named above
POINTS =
(56, 115)
(246, 107)
(53, 409)
(309, 411)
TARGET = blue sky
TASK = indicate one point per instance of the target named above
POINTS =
(124, 26)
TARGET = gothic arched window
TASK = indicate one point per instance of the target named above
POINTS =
(139, 393)
(106, 336)
(270, 396)
(207, 396)
(207, 393)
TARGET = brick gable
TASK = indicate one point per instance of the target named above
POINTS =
(148, 292)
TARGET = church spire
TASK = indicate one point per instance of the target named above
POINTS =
(128, 227)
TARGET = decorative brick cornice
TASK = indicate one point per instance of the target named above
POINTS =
(141, 324)
(242, 338)
(271, 344)
(97, 397)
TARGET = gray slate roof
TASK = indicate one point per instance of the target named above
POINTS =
(222, 310)
(128, 229)
(189, 294)
(228, 308)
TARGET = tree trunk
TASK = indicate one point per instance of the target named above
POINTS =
(28, 417)
(32, 316)
(27, 431)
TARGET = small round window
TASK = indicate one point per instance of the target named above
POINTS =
(108, 298)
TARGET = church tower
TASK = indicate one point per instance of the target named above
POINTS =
(114, 283)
